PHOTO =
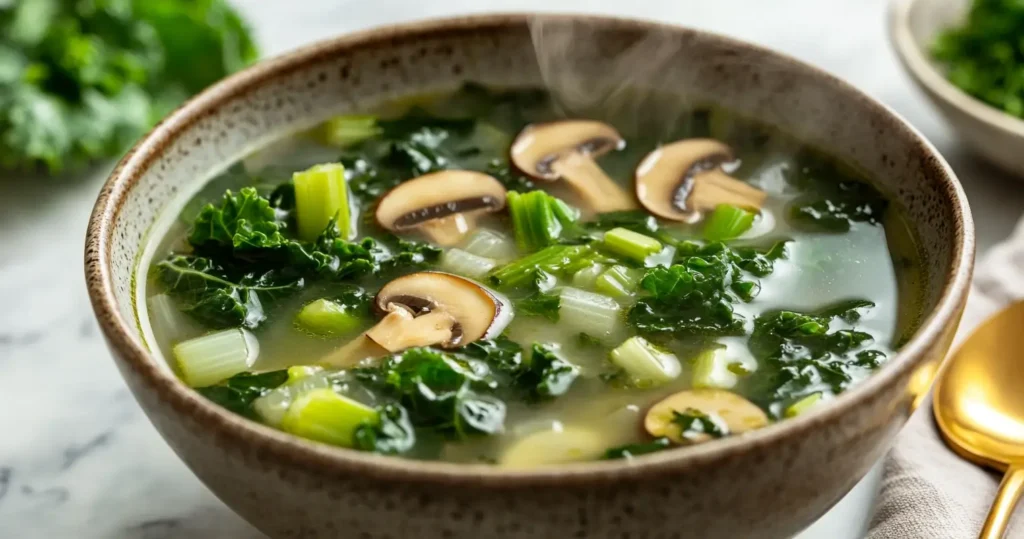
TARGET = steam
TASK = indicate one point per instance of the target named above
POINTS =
(622, 81)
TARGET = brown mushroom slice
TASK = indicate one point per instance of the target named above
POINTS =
(738, 414)
(566, 150)
(443, 206)
(428, 308)
(684, 180)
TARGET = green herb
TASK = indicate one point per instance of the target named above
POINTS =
(983, 56)
(635, 450)
(238, 392)
(79, 81)
(695, 423)
(539, 304)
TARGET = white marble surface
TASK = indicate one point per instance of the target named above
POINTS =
(77, 456)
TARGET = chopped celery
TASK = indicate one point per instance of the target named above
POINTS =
(645, 363)
(272, 406)
(299, 372)
(206, 360)
(586, 277)
(343, 131)
(325, 416)
(538, 219)
(326, 317)
(466, 264)
(587, 312)
(618, 281)
(490, 244)
(712, 369)
(803, 405)
(321, 194)
(554, 259)
(629, 244)
(169, 324)
(727, 222)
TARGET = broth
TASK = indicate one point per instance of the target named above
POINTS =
(821, 237)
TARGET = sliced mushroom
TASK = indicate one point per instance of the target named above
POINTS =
(566, 150)
(684, 180)
(554, 446)
(428, 308)
(443, 205)
(738, 414)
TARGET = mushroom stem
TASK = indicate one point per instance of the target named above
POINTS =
(398, 330)
(448, 231)
(714, 187)
(359, 349)
(600, 192)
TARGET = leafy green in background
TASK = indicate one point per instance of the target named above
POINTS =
(82, 79)
(985, 57)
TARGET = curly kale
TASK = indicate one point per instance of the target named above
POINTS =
(222, 297)
(695, 295)
(799, 354)
(79, 81)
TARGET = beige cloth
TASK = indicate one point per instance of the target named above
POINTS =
(928, 492)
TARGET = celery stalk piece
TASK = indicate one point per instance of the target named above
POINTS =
(711, 370)
(272, 406)
(629, 244)
(554, 259)
(727, 222)
(586, 312)
(344, 131)
(538, 218)
(803, 405)
(325, 416)
(587, 277)
(466, 264)
(490, 244)
(321, 194)
(618, 281)
(206, 360)
(326, 317)
(646, 364)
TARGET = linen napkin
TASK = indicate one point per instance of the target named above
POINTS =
(928, 492)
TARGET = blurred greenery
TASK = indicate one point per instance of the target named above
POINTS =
(985, 56)
(81, 79)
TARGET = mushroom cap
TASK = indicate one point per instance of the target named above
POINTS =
(739, 414)
(439, 195)
(538, 146)
(670, 180)
(479, 313)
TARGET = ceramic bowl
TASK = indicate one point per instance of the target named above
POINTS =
(769, 483)
(993, 134)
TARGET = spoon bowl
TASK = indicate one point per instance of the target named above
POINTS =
(979, 406)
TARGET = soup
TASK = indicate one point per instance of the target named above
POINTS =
(474, 277)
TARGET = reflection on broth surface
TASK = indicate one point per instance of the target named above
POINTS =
(601, 295)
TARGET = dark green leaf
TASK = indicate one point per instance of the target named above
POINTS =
(238, 392)
(635, 450)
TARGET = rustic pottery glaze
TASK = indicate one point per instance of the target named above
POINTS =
(768, 483)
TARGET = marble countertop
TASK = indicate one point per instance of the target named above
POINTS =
(77, 456)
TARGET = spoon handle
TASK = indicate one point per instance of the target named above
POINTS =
(1009, 492)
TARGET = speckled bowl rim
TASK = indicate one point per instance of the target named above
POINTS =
(930, 77)
(332, 461)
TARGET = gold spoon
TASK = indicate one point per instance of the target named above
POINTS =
(979, 406)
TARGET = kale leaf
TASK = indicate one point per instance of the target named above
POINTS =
(695, 295)
(394, 435)
(79, 81)
(539, 304)
(220, 297)
(694, 423)
(243, 222)
(635, 450)
(238, 392)
(549, 375)
(835, 199)
(799, 355)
